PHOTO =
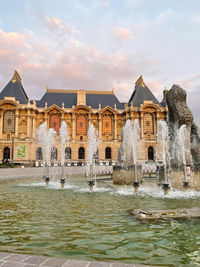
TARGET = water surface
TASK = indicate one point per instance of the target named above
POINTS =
(75, 223)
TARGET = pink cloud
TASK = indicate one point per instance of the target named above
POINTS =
(123, 34)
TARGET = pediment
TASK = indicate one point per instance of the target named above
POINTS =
(8, 104)
(54, 109)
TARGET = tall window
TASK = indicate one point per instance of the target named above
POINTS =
(81, 153)
(54, 153)
(150, 153)
(148, 124)
(81, 124)
(54, 122)
(39, 153)
(108, 153)
(67, 153)
(9, 121)
(107, 124)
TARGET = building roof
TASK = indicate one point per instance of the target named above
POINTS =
(69, 98)
(142, 93)
(15, 89)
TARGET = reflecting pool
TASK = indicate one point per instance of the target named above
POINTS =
(76, 223)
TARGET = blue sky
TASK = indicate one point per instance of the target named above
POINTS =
(102, 45)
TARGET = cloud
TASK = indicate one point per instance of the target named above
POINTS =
(123, 34)
(59, 26)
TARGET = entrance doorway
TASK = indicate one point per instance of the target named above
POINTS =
(150, 153)
(6, 154)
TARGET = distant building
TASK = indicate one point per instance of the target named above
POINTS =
(20, 118)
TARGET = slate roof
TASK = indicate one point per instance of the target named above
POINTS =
(70, 99)
(94, 100)
(15, 89)
(141, 93)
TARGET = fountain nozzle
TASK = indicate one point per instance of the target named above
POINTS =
(185, 184)
(166, 188)
(46, 179)
(136, 186)
(91, 184)
(62, 182)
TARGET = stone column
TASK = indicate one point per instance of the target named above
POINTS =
(89, 118)
(73, 126)
(1, 123)
(28, 124)
(142, 124)
(115, 123)
(34, 126)
(17, 123)
(100, 126)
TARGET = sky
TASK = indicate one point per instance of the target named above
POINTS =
(102, 44)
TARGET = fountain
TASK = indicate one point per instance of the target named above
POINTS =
(163, 154)
(182, 151)
(92, 150)
(46, 139)
(129, 171)
(64, 139)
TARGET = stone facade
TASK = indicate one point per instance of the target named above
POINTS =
(19, 123)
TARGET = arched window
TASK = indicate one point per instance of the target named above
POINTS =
(67, 153)
(81, 124)
(54, 122)
(39, 153)
(150, 153)
(148, 124)
(108, 153)
(107, 124)
(81, 153)
(54, 153)
(6, 154)
(9, 121)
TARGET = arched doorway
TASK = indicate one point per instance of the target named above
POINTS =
(150, 153)
(81, 153)
(68, 153)
(108, 153)
(39, 153)
(6, 154)
(54, 154)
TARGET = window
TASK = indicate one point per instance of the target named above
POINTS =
(148, 124)
(107, 124)
(81, 124)
(67, 153)
(150, 153)
(108, 153)
(54, 153)
(39, 153)
(81, 153)
(54, 122)
(9, 121)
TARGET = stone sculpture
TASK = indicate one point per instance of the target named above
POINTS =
(179, 114)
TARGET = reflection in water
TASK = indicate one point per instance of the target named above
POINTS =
(76, 223)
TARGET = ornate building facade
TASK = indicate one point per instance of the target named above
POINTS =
(21, 117)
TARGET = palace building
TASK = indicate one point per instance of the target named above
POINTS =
(21, 117)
